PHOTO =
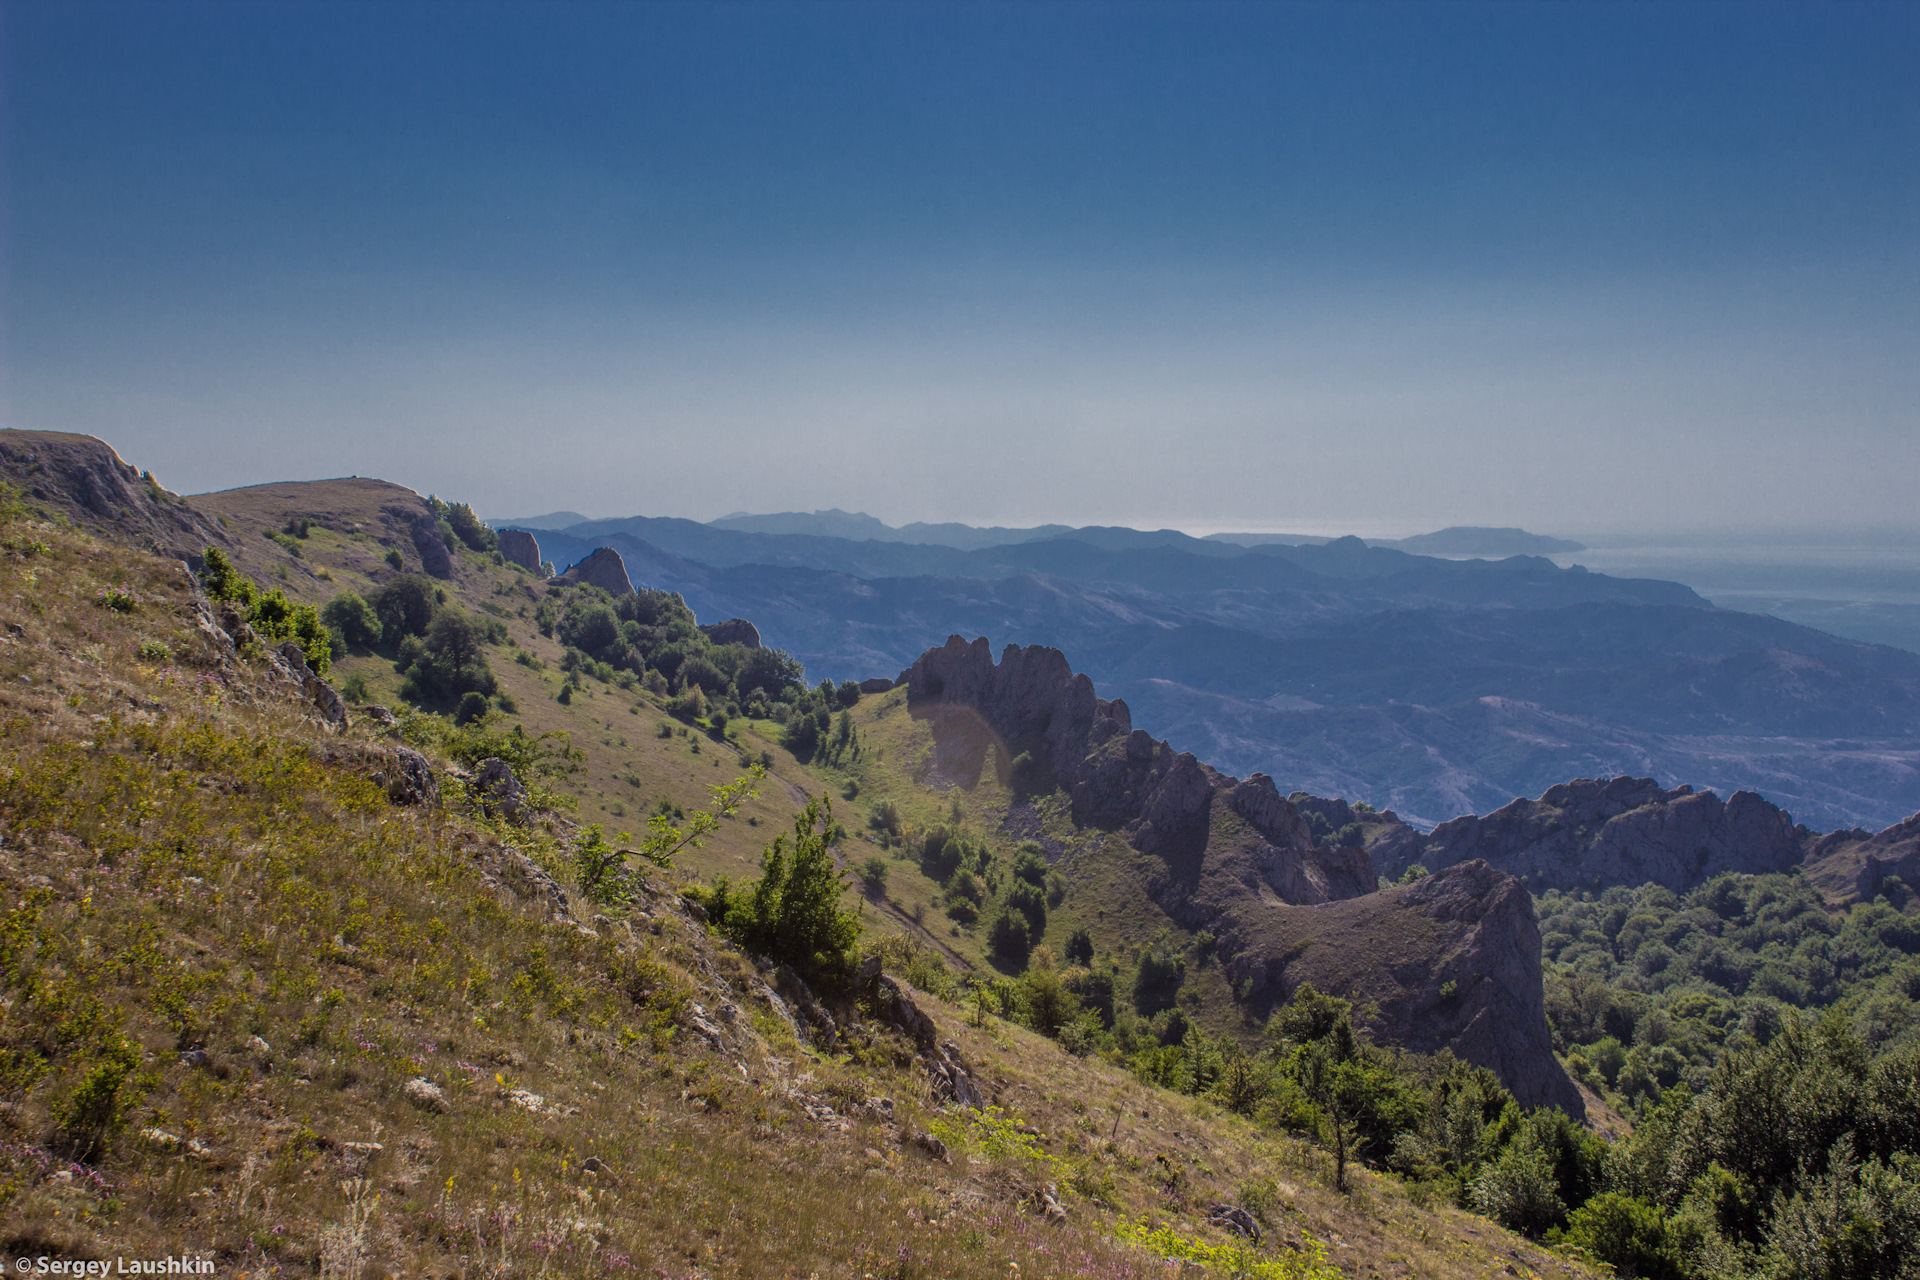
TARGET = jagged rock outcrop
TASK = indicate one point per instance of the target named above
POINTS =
(428, 540)
(84, 479)
(517, 546)
(290, 660)
(733, 631)
(1450, 962)
(1857, 864)
(1590, 834)
(495, 787)
(603, 569)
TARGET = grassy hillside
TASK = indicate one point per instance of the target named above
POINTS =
(228, 958)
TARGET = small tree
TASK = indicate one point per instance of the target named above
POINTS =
(1010, 938)
(1080, 946)
(600, 867)
(793, 913)
(352, 619)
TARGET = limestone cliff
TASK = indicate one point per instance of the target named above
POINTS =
(603, 569)
(1450, 962)
(1590, 834)
(517, 546)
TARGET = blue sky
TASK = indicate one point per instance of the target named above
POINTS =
(1345, 267)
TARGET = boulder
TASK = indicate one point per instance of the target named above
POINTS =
(603, 569)
(497, 790)
(435, 558)
(517, 546)
(408, 777)
(733, 631)
(877, 684)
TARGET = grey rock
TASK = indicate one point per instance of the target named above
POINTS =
(380, 715)
(895, 1006)
(408, 777)
(603, 569)
(435, 558)
(733, 631)
(497, 790)
(517, 546)
(877, 684)
(1233, 1218)
(1590, 834)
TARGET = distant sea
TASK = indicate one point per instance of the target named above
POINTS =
(1861, 586)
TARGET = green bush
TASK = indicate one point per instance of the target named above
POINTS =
(352, 619)
(792, 913)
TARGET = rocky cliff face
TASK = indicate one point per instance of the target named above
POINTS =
(1857, 864)
(85, 480)
(1452, 961)
(1449, 962)
(517, 546)
(603, 569)
(1590, 834)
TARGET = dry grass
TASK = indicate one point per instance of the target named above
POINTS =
(183, 868)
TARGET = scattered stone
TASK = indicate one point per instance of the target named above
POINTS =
(256, 1045)
(199, 1059)
(1234, 1218)
(599, 1168)
(426, 1095)
(927, 1143)
(527, 1101)
(408, 777)
(160, 1138)
(1047, 1200)
(379, 715)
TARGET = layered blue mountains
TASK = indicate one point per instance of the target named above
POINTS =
(1431, 684)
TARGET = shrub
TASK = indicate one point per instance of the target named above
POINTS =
(792, 914)
(1010, 938)
(1628, 1234)
(394, 559)
(467, 527)
(352, 619)
(873, 873)
(1080, 946)
(95, 1109)
(1519, 1190)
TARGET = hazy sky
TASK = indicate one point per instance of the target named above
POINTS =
(1369, 267)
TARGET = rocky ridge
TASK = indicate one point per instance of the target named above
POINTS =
(83, 479)
(1589, 834)
(1452, 962)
